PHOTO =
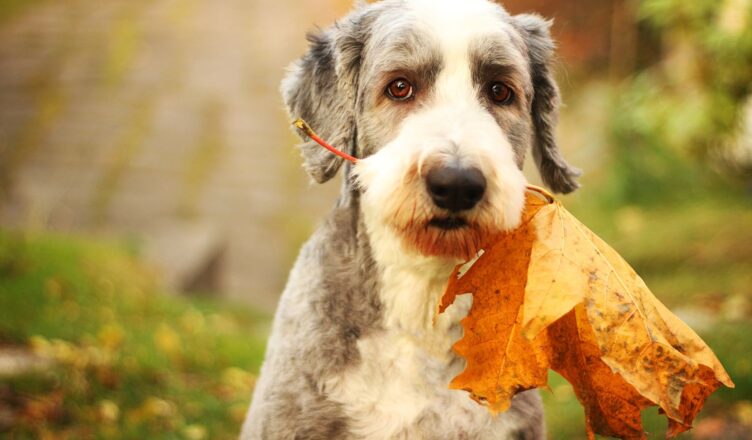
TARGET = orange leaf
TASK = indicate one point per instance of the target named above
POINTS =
(493, 325)
(551, 294)
(612, 406)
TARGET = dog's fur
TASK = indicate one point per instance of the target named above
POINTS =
(354, 351)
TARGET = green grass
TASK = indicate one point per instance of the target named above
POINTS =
(693, 254)
(129, 361)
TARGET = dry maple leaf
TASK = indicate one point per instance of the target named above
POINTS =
(493, 327)
(551, 294)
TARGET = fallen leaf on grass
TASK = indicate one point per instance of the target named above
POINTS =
(552, 295)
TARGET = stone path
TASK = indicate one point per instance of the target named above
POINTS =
(145, 118)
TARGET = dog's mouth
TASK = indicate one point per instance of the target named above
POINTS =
(448, 223)
(447, 236)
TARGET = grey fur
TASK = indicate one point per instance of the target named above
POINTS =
(330, 302)
(403, 49)
(491, 61)
(556, 173)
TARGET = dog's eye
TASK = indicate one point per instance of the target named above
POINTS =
(400, 89)
(500, 93)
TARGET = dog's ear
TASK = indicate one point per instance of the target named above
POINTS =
(321, 88)
(556, 173)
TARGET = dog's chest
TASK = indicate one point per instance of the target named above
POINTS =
(399, 389)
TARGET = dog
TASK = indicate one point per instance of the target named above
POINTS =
(439, 100)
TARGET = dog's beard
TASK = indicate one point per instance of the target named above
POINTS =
(449, 237)
(435, 232)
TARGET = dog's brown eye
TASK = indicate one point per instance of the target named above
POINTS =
(400, 89)
(501, 93)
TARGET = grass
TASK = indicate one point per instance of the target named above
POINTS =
(129, 361)
(694, 254)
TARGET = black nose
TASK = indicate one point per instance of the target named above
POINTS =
(456, 189)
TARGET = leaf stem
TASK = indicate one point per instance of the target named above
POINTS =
(542, 192)
(305, 128)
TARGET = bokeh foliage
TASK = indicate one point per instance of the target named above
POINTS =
(675, 124)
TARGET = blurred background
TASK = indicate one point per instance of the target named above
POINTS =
(152, 201)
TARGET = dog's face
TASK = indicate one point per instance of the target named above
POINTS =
(440, 100)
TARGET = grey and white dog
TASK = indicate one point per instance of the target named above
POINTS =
(440, 100)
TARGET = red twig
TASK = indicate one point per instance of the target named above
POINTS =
(303, 126)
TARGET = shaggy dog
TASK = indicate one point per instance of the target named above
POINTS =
(441, 100)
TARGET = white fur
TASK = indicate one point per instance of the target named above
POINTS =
(405, 368)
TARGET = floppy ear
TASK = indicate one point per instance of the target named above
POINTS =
(556, 173)
(321, 88)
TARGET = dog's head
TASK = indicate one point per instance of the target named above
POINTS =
(441, 99)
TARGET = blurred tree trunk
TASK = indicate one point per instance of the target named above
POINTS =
(623, 39)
